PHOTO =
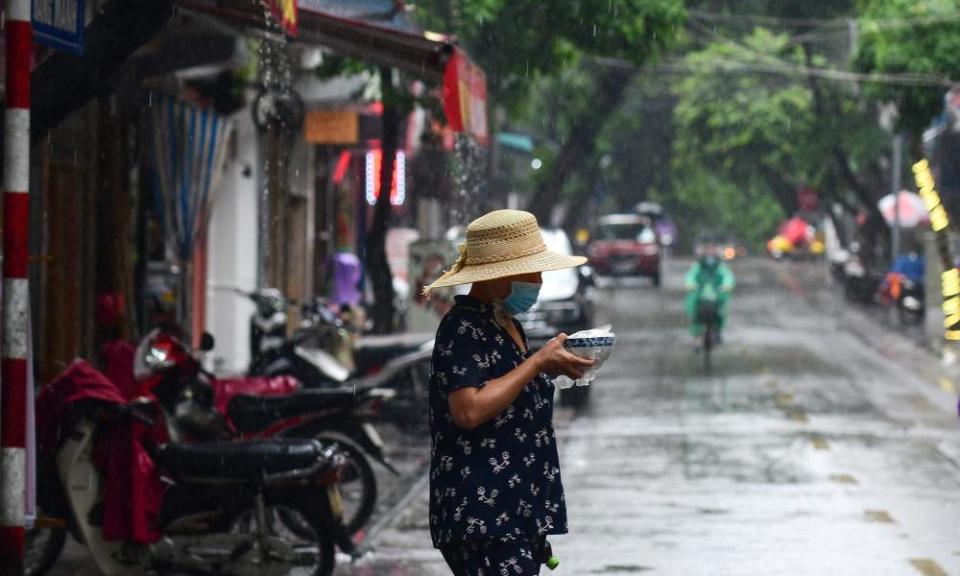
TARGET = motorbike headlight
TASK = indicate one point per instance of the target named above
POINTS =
(158, 358)
(152, 359)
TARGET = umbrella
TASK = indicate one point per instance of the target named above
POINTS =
(912, 211)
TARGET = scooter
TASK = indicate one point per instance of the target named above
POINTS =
(907, 295)
(325, 350)
(260, 407)
(268, 326)
(207, 508)
(911, 306)
(708, 314)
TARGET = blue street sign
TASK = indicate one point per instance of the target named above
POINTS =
(59, 23)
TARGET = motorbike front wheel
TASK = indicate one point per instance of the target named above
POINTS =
(46, 539)
(308, 550)
(358, 485)
(43, 545)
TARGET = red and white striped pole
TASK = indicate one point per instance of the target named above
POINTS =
(16, 300)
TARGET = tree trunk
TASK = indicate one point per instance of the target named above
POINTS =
(611, 86)
(378, 268)
(784, 191)
(876, 230)
(576, 218)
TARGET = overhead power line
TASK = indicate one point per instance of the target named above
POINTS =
(873, 23)
(790, 68)
(726, 66)
(777, 66)
(759, 19)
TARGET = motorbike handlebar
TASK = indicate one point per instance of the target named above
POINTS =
(114, 412)
(258, 297)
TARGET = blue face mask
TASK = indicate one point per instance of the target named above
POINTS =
(523, 295)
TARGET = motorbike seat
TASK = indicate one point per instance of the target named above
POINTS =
(379, 350)
(250, 413)
(240, 461)
(392, 341)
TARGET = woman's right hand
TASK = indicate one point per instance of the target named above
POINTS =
(555, 360)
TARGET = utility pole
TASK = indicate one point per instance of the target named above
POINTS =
(16, 294)
(895, 175)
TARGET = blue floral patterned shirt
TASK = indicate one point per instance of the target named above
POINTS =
(502, 479)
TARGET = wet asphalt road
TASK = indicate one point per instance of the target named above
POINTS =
(821, 444)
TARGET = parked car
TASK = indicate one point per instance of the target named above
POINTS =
(565, 305)
(625, 245)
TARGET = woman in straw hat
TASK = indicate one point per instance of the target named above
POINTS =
(495, 489)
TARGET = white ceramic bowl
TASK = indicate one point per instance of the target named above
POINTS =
(598, 348)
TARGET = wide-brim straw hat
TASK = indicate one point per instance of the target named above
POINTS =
(499, 244)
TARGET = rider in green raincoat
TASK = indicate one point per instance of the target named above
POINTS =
(709, 278)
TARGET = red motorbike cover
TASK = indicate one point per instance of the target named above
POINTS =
(133, 492)
(224, 389)
(118, 359)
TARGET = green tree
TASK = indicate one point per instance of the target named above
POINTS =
(750, 113)
(516, 42)
(746, 125)
(705, 201)
(920, 37)
(520, 43)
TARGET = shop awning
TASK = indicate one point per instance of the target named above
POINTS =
(377, 31)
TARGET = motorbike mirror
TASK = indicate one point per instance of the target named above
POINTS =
(207, 342)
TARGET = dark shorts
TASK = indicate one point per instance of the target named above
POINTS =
(494, 558)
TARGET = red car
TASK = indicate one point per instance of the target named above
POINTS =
(625, 245)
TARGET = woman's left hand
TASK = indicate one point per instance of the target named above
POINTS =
(555, 360)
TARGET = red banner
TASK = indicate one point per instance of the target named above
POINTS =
(285, 11)
(465, 97)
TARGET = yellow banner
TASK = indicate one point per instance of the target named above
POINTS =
(285, 11)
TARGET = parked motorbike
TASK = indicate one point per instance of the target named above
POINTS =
(261, 407)
(906, 295)
(325, 351)
(141, 502)
(859, 284)
(268, 326)
(911, 306)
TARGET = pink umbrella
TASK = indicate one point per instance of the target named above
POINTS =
(912, 211)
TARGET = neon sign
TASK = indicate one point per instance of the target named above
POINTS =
(398, 186)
